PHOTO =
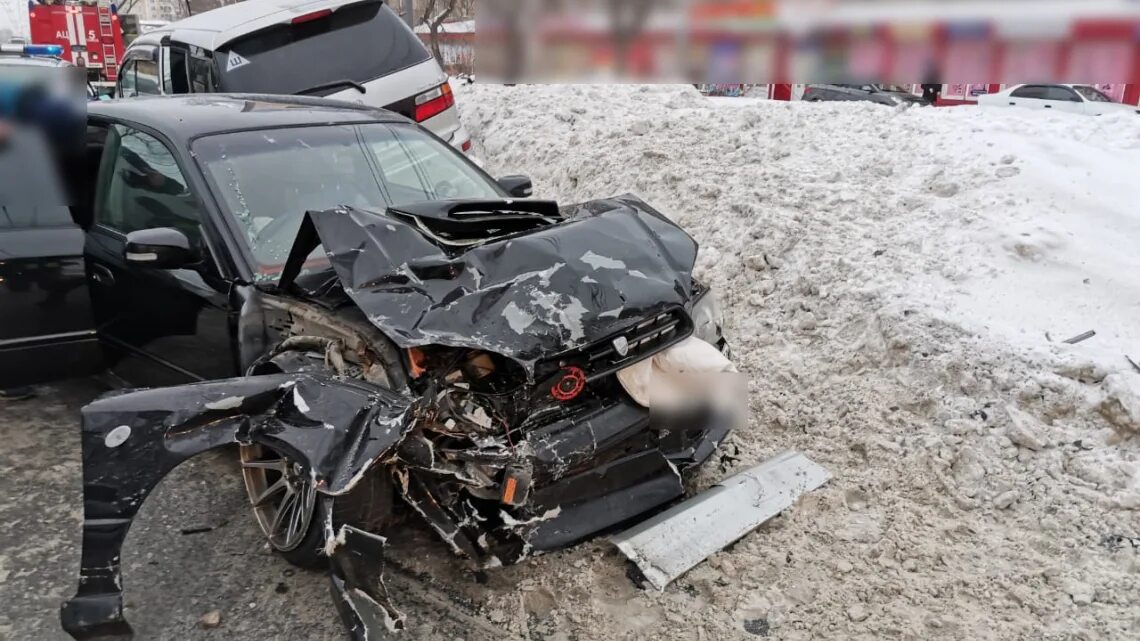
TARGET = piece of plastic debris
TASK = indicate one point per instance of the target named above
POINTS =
(1081, 337)
(671, 543)
(1132, 363)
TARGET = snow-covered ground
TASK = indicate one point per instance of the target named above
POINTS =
(898, 285)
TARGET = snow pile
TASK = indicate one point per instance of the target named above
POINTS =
(898, 285)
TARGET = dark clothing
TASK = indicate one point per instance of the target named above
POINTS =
(930, 92)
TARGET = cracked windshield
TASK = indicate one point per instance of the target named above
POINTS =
(268, 179)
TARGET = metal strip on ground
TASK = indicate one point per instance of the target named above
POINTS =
(673, 542)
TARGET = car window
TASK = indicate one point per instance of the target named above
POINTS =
(127, 85)
(1035, 92)
(175, 78)
(267, 180)
(1092, 94)
(146, 78)
(1063, 94)
(417, 168)
(201, 75)
(144, 188)
(358, 42)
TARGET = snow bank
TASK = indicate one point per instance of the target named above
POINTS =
(898, 284)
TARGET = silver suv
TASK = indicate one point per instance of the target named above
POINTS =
(352, 50)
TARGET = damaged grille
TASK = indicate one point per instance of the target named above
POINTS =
(634, 344)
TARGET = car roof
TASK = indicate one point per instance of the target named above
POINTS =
(32, 61)
(185, 117)
(214, 28)
(1048, 84)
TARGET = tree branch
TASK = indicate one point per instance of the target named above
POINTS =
(434, 26)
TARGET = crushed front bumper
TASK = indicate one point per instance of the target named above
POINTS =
(614, 464)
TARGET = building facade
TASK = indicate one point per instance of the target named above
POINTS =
(160, 10)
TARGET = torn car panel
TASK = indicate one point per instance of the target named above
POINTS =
(527, 296)
(336, 428)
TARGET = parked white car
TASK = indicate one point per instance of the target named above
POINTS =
(1081, 99)
(351, 50)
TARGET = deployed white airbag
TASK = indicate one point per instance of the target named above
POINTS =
(689, 373)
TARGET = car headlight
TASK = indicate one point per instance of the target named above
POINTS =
(708, 319)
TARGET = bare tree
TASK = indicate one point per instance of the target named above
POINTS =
(435, 20)
(465, 9)
(194, 7)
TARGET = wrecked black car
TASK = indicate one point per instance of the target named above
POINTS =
(380, 327)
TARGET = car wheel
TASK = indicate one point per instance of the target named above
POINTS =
(286, 504)
(288, 507)
(284, 501)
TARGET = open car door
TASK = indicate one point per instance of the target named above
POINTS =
(47, 330)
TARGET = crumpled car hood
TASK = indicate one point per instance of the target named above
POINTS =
(527, 297)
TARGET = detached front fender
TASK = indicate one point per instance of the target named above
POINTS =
(338, 429)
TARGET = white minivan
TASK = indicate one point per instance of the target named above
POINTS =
(351, 50)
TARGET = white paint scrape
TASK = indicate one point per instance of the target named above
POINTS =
(601, 262)
(227, 403)
(299, 402)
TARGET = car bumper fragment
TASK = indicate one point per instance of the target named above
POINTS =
(669, 544)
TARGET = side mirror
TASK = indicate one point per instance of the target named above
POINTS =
(159, 248)
(517, 186)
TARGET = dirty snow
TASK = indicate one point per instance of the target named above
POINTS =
(898, 284)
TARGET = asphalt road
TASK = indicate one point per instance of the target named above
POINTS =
(172, 578)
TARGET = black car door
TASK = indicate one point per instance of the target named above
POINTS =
(161, 327)
(46, 326)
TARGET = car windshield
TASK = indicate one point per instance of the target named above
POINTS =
(358, 43)
(1091, 94)
(268, 179)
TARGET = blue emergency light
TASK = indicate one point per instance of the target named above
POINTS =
(54, 51)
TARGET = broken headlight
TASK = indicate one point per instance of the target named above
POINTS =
(708, 319)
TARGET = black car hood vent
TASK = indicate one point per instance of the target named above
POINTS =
(564, 279)
(456, 224)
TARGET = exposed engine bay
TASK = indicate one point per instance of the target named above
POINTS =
(502, 391)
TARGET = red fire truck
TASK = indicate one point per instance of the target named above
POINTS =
(88, 31)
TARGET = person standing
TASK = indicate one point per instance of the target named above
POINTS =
(932, 85)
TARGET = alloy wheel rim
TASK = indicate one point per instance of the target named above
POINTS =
(282, 495)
